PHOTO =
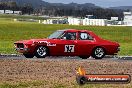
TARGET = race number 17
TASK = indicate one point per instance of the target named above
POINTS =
(69, 48)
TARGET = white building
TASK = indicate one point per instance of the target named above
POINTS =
(6, 12)
(128, 18)
(1, 11)
(114, 18)
(10, 12)
(55, 21)
(17, 12)
(90, 16)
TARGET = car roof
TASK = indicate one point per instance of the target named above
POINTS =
(74, 30)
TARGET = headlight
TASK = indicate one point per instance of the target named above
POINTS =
(118, 49)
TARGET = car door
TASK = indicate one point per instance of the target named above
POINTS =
(85, 44)
(68, 44)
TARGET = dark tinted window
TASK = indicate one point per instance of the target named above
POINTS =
(70, 36)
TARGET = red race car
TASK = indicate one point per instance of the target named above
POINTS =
(68, 42)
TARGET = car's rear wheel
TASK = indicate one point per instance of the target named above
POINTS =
(98, 53)
(41, 52)
(28, 55)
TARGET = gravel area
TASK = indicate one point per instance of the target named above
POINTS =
(62, 71)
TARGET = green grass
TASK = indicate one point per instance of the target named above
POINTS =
(23, 84)
(20, 16)
(11, 31)
(43, 84)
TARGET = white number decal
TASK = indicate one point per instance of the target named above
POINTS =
(69, 48)
(84, 36)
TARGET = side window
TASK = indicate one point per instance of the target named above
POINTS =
(69, 36)
(85, 36)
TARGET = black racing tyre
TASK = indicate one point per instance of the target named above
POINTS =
(28, 55)
(84, 57)
(41, 52)
(81, 80)
(98, 53)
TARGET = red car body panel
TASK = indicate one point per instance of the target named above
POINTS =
(81, 47)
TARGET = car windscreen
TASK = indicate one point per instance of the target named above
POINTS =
(56, 35)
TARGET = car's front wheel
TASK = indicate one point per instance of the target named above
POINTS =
(41, 52)
(28, 55)
(98, 53)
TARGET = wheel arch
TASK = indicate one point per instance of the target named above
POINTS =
(99, 47)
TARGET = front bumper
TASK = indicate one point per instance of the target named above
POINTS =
(22, 50)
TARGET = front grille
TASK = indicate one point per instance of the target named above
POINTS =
(20, 45)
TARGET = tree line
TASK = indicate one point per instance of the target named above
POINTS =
(99, 13)
(27, 8)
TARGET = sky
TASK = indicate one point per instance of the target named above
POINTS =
(102, 3)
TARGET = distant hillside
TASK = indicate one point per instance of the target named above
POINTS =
(122, 7)
(61, 9)
(34, 3)
(75, 5)
(39, 3)
(42, 3)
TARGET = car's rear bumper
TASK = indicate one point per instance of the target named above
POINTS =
(113, 51)
(118, 49)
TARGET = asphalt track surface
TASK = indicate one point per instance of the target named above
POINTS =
(120, 58)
